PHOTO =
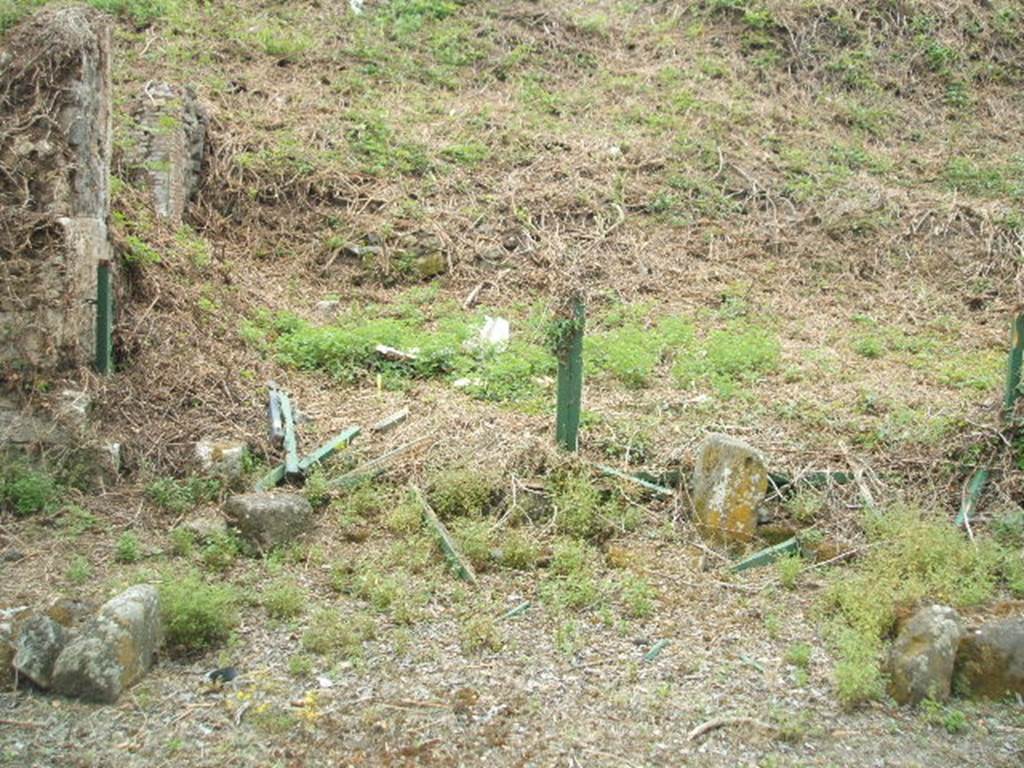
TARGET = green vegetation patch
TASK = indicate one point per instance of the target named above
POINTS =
(632, 352)
(196, 614)
(910, 559)
(742, 352)
(28, 490)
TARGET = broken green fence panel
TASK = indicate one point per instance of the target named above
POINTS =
(518, 610)
(570, 382)
(326, 450)
(654, 487)
(374, 467)
(272, 479)
(291, 447)
(819, 479)
(971, 498)
(104, 319)
(767, 556)
(1013, 367)
(460, 565)
(656, 650)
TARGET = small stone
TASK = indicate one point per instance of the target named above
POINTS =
(205, 528)
(327, 306)
(73, 405)
(269, 520)
(12, 555)
(729, 482)
(990, 662)
(221, 458)
(115, 457)
(114, 650)
(921, 660)
(40, 641)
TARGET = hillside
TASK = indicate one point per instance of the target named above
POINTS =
(800, 223)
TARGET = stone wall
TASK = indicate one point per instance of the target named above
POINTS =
(55, 142)
(166, 156)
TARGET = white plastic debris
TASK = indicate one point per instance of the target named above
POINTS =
(396, 355)
(325, 682)
(356, 6)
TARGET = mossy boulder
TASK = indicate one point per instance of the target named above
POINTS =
(921, 660)
(729, 482)
(990, 662)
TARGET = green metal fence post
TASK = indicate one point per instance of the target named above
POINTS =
(570, 380)
(1013, 367)
(104, 318)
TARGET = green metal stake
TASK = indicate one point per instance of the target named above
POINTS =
(1013, 367)
(1013, 370)
(104, 319)
(570, 380)
(291, 446)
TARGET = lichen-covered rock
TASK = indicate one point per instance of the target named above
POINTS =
(114, 650)
(68, 611)
(990, 662)
(39, 642)
(729, 481)
(922, 658)
(11, 620)
(269, 520)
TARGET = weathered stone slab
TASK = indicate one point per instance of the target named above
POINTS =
(170, 139)
(39, 642)
(921, 660)
(269, 520)
(114, 650)
(990, 662)
(729, 481)
(54, 192)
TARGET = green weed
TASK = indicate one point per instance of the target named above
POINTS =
(27, 490)
(741, 352)
(332, 633)
(127, 549)
(284, 599)
(480, 633)
(78, 571)
(196, 614)
(462, 493)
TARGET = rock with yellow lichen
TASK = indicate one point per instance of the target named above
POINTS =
(729, 481)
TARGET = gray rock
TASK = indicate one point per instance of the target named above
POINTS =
(114, 650)
(7, 651)
(922, 658)
(269, 520)
(729, 482)
(990, 662)
(226, 459)
(39, 642)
